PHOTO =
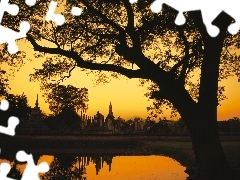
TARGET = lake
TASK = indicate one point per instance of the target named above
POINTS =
(98, 167)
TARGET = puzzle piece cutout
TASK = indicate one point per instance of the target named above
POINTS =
(51, 16)
(4, 170)
(210, 10)
(133, 1)
(4, 105)
(6, 7)
(30, 2)
(12, 121)
(76, 11)
(31, 171)
(10, 130)
(8, 35)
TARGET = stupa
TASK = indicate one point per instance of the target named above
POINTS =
(35, 123)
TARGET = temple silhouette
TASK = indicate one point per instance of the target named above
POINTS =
(35, 123)
(96, 124)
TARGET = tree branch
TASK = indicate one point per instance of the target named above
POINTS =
(158, 95)
(69, 72)
(182, 75)
(211, 60)
(185, 59)
(104, 18)
(88, 65)
(130, 25)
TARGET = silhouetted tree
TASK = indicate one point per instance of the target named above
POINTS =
(230, 126)
(127, 127)
(3, 82)
(66, 120)
(235, 125)
(8, 65)
(67, 97)
(130, 40)
(51, 121)
(148, 126)
(18, 106)
(181, 124)
(224, 127)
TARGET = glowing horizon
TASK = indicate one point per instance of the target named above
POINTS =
(126, 95)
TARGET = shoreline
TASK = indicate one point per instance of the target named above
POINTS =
(113, 136)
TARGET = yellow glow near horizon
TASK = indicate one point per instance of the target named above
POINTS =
(126, 95)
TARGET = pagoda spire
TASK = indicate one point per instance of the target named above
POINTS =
(36, 104)
(110, 108)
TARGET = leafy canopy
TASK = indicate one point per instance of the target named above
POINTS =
(126, 39)
(62, 97)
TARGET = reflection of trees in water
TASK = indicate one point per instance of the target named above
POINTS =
(99, 160)
(64, 167)
(15, 172)
(70, 167)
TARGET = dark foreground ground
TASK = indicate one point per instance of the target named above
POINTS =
(177, 147)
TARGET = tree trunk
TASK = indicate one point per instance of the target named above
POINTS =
(208, 151)
(201, 121)
(209, 155)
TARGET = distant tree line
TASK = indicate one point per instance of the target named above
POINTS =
(169, 127)
(66, 101)
(231, 126)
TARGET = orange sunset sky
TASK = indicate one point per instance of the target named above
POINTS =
(126, 95)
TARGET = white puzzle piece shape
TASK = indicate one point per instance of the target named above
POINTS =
(9, 36)
(12, 121)
(6, 7)
(4, 105)
(51, 16)
(10, 130)
(76, 11)
(4, 170)
(30, 2)
(209, 9)
(31, 171)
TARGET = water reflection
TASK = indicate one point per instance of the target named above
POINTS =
(79, 167)
(138, 167)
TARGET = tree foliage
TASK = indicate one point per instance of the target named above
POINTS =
(66, 120)
(182, 64)
(124, 39)
(18, 106)
(9, 65)
(63, 97)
